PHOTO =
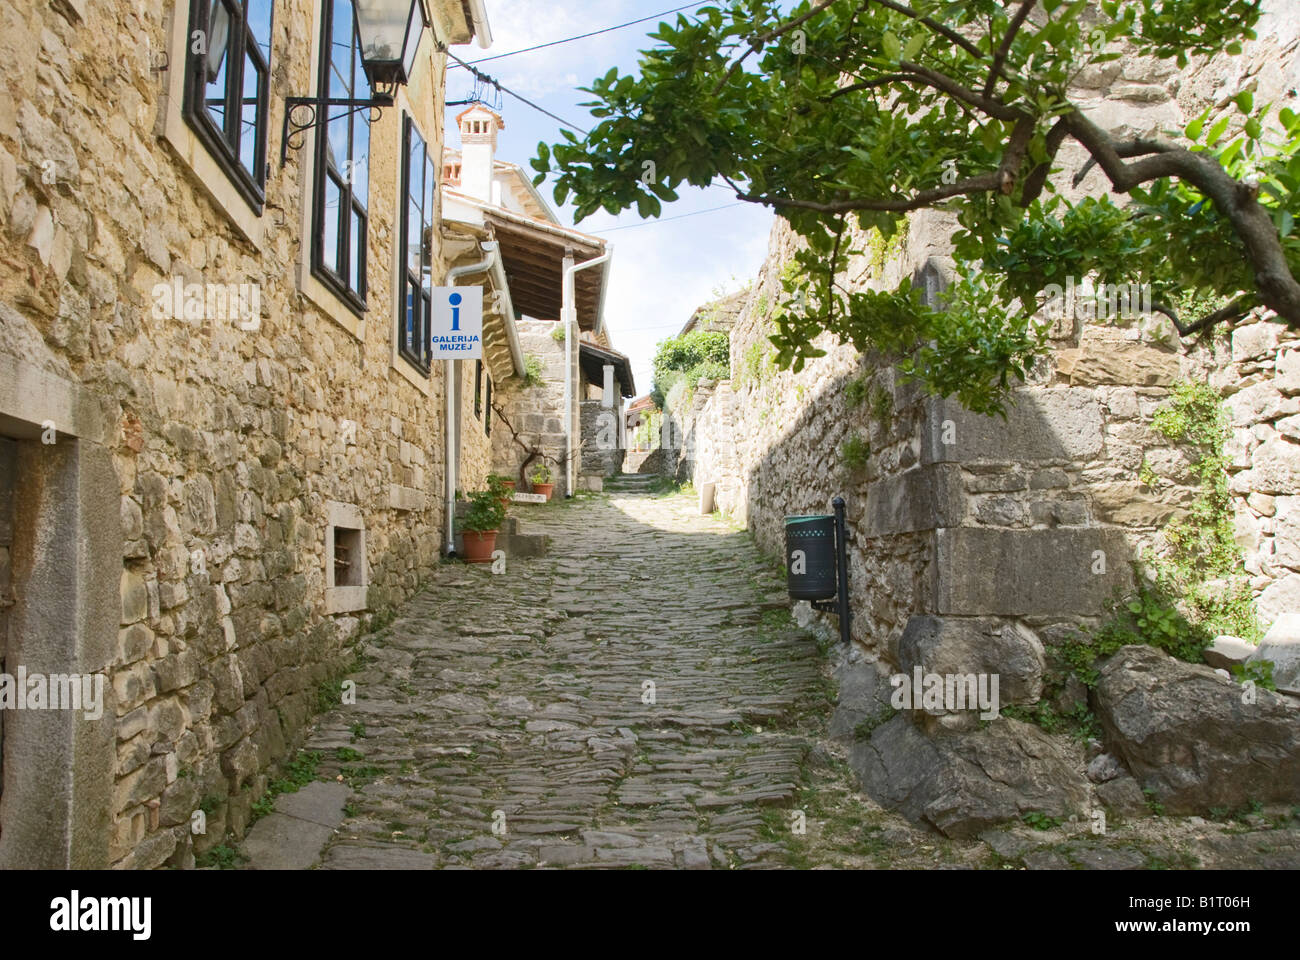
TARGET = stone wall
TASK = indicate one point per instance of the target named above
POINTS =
(1033, 522)
(1258, 371)
(231, 447)
(535, 411)
(602, 453)
(476, 446)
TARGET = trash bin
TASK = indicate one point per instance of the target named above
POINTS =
(810, 557)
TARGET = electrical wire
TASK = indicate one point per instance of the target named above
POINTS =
(581, 36)
(683, 216)
(496, 84)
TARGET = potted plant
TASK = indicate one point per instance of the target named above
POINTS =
(480, 525)
(503, 488)
(541, 480)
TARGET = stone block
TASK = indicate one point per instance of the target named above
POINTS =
(1280, 597)
(1067, 571)
(1042, 424)
(1226, 652)
(133, 643)
(1281, 646)
(1255, 340)
(1275, 467)
(922, 498)
(1132, 504)
(1118, 363)
(135, 598)
(1287, 379)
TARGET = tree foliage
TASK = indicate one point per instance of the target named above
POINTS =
(692, 356)
(861, 111)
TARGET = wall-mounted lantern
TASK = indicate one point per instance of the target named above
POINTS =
(816, 563)
(389, 32)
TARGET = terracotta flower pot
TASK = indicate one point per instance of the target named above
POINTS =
(479, 545)
(510, 492)
(545, 489)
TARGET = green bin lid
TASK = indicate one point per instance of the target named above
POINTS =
(808, 517)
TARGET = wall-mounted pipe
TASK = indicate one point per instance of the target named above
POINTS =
(570, 319)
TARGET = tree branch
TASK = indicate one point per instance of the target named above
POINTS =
(1233, 311)
(1005, 46)
(531, 453)
(1037, 178)
(941, 81)
(757, 43)
(939, 28)
(1236, 201)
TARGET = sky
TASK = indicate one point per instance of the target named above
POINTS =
(661, 269)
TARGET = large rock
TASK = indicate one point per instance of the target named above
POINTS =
(863, 698)
(1281, 645)
(1227, 651)
(976, 645)
(1280, 597)
(1189, 738)
(963, 782)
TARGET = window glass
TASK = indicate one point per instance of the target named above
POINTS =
(227, 89)
(343, 149)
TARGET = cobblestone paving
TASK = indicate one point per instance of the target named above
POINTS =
(518, 701)
(526, 692)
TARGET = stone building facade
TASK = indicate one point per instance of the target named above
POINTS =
(209, 507)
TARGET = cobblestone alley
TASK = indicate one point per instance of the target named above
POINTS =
(507, 721)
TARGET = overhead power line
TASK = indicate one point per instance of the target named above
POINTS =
(495, 83)
(581, 36)
(683, 216)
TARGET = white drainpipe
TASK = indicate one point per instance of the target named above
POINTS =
(570, 318)
(451, 370)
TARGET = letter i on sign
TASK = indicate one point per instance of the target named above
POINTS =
(454, 300)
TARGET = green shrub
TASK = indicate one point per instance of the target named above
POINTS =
(855, 451)
(533, 368)
(486, 512)
(856, 390)
(693, 356)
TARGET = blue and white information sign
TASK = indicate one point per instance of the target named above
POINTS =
(457, 323)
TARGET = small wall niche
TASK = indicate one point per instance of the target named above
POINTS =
(347, 574)
(349, 557)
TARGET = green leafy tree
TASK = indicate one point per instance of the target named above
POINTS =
(847, 112)
(691, 356)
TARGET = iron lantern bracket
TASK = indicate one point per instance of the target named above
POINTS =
(318, 112)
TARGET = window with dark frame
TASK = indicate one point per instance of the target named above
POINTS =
(487, 410)
(478, 389)
(418, 184)
(342, 188)
(227, 88)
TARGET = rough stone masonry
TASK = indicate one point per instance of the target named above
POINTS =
(982, 545)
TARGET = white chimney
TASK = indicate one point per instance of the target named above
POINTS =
(478, 149)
